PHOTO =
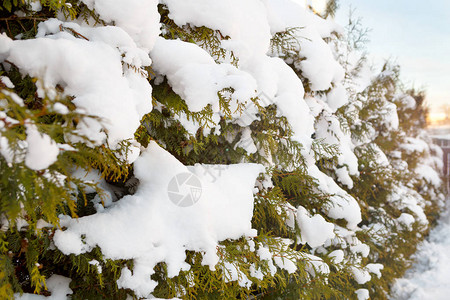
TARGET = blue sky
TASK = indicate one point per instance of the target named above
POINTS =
(415, 34)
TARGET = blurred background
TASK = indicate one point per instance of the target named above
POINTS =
(412, 33)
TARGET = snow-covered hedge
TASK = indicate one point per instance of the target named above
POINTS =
(204, 149)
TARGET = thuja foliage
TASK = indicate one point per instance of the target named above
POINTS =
(33, 201)
(391, 244)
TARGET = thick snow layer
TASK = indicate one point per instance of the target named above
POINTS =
(337, 97)
(343, 206)
(319, 65)
(93, 73)
(244, 21)
(139, 18)
(249, 40)
(314, 230)
(194, 75)
(280, 85)
(5, 45)
(175, 209)
(178, 208)
(429, 277)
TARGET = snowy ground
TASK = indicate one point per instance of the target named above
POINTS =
(430, 276)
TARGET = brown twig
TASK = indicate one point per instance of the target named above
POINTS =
(61, 28)
(14, 17)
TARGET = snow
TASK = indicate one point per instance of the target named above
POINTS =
(337, 97)
(35, 5)
(361, 276)
(337, 256)
(194, 75)
(42, 151)
(244, 21)
(362, 294)
(285, 264)
(344, 177)
(246, 141)
(146, 223)
(414, 145)
(91, 71)
(329, 130)
(429, 174)
(5, 150)
(249, 42)
(390, 116)
(408, 101)
(5, 46)
(233, 274)
(319, 65)
(375, 269)
(139, 18)
(176, 207)
(343, 206)
(406, 220)
(429, 276)
(313, 230)
(315, 264)
(58, 286)
(362, 249)
(406, 198)
(6, 81)
(60, 108)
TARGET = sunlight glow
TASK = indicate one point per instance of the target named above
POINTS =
(436, 118)
(318, 5)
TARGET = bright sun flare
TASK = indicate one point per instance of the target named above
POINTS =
(318, 5)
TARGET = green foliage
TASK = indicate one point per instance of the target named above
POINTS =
(331, 8)
(210, 40)
(9, 4)
(31, 201)
(391, 244)
(30, 197)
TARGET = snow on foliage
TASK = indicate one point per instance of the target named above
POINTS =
(150, 227)
(428, 277)
(58, 286)
(91, 71)
(276, 56)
